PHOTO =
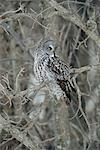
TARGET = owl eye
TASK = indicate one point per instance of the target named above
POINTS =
(51, 47)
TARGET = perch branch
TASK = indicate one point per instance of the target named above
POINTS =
(84, 69)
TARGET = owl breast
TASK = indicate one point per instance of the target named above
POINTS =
(41, 68)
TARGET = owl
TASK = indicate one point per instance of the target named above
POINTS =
(52, 70)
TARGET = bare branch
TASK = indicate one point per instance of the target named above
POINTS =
(18, 135)
(75, 19)
(84, 69)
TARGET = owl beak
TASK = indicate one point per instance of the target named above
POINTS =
(53, 53)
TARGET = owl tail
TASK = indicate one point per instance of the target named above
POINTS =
(68, 98)
(69, 89)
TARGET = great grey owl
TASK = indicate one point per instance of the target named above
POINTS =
(52, 70)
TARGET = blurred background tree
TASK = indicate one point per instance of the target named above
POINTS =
(30, 116)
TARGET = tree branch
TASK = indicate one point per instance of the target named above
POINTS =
(84, 69)
(75, 19)
(20, 136)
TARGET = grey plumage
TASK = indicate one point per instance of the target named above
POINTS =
(51, 69)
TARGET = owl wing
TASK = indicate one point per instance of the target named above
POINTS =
(61, 72)
(58, 68)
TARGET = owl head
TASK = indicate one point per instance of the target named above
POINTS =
(45, 46)
(48, 46)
